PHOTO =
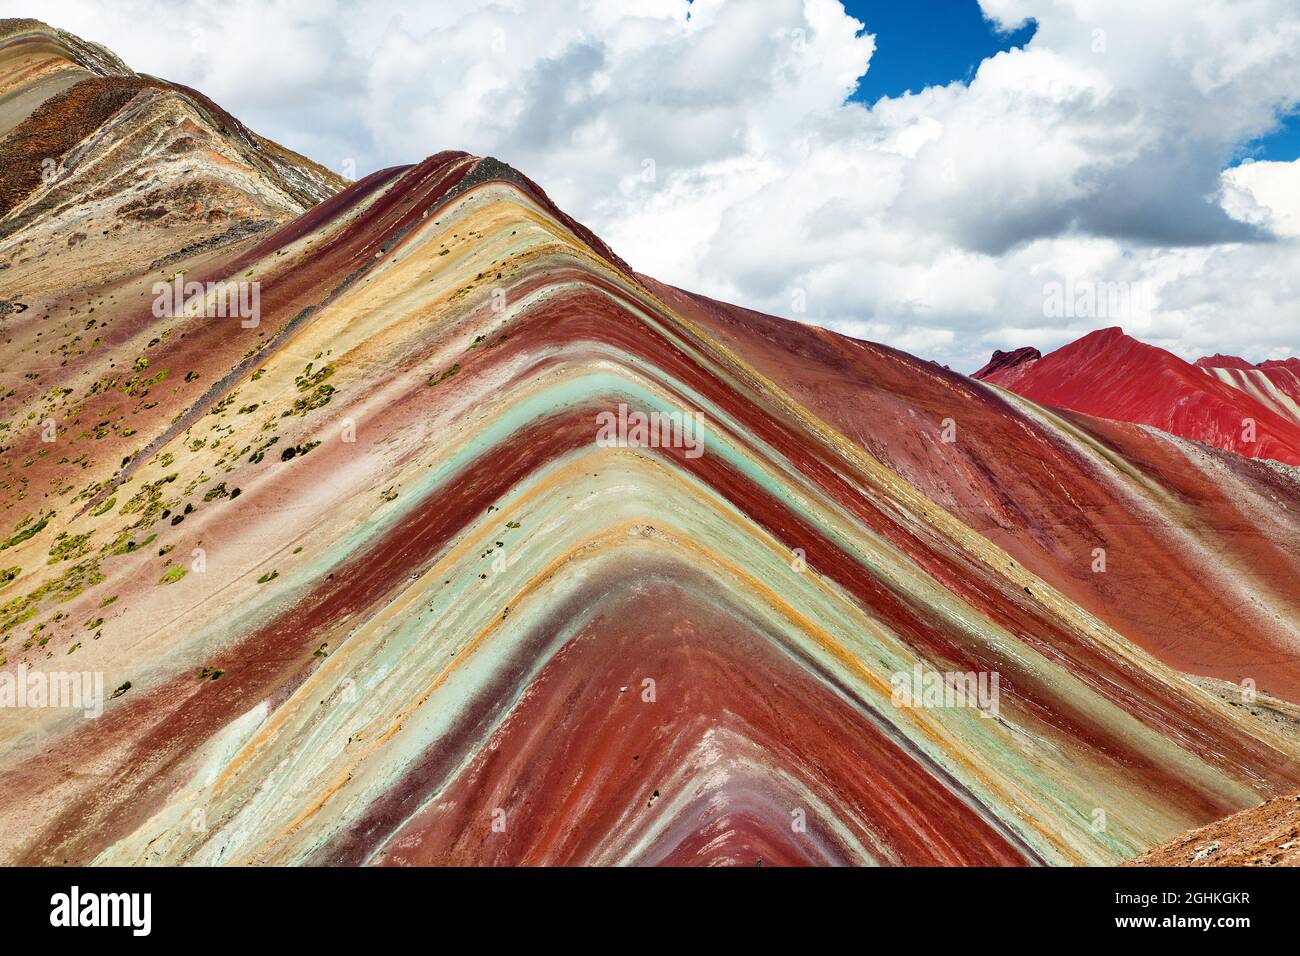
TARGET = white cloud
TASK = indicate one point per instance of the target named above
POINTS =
(932, 221)
(1266, 194)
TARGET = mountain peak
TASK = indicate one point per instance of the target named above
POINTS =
(91, 152)
(1107, 338)
(1219, 360)
(1005, 361)
(1289, 363)
(46, 55)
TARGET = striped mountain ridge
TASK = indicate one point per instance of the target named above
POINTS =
(1274, 384)
(367, 589)
(42, 60)
(105, 173)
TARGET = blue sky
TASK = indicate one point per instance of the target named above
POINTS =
(923, 43)
(926, 43)
(1282, 146)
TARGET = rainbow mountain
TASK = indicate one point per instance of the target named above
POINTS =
(365, 586)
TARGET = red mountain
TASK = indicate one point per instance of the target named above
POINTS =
(1219, 360)
(1112, 375)
(1010, 366)
(1275, 384)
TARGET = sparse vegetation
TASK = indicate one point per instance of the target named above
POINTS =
(444, 376)
(23, 533)
(173, 574)
(103, 507)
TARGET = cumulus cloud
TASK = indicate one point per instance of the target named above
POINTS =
(714, 146)
(1265, 194)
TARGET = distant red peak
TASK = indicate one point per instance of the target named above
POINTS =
(1292, 363)
(1112, 375)
(1001, 361)
(1222, 361)
(1109, 347)
(1108, 338)
(1110, 334)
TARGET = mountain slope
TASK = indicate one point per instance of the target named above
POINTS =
(374, 590)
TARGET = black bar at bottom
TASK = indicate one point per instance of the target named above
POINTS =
(337, 906)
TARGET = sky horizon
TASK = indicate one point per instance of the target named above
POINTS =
(948, 179)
